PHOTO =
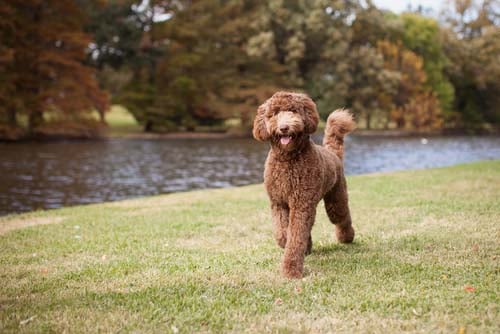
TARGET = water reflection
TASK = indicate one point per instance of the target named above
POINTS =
(50, 175)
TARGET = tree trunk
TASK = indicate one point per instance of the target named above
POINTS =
(368, 121)
(400, 123)
(12, 117)
(35, 110)
(148, 126)
(34, 120)
(102, 119)
(386, 122)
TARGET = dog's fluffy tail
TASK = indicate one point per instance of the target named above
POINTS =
(339, 123)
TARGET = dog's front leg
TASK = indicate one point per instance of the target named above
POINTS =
(298, 233)
(280, 213)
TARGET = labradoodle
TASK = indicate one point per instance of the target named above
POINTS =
(299, 173)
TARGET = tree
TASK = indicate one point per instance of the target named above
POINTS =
(470, 18)
(372, 85)
(373, 24)
(473, 44)
(310, 40)
(8, 110)
(116, 30)
(182, 64)
(47, 69)
(423, 36)
(414, 104)
(204, 74)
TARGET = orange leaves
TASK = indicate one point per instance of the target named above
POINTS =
(49, 44)
(420, 112)
(414, 105)
(469, 288)
(398, 58)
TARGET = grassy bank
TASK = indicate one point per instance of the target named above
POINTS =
(121, 122)
(425, 259)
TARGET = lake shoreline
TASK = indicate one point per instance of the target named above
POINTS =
(8, 215)
(52, 174)
(241, 135)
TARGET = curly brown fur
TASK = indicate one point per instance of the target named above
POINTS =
(298, 173)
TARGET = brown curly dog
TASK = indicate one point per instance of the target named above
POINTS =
(299, 173)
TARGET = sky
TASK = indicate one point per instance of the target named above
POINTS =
(399, 6)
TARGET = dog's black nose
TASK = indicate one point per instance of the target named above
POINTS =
(284, 128)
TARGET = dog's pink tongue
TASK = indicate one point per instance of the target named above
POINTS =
(285, 140)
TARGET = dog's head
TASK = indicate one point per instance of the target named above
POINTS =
(285, 119)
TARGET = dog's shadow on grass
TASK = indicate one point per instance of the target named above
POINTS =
(337, 248)
(328, 258)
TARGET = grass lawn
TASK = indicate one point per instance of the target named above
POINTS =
(425, 259)
(121, 122)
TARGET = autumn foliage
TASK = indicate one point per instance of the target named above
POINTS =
(43, 65)
(186, 65)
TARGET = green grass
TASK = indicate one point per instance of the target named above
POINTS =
(425, 259)
(121, 122)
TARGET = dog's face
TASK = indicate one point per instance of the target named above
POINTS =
(285, 118)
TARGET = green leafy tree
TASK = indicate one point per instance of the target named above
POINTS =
(372, 86)
(116, 30)
(205, 74)
(210, 60)
(310, 40)
(423, 36)
(473, 45)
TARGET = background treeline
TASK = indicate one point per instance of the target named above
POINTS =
(181, 65)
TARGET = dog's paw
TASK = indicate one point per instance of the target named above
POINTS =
(292, 274)
(345, 235)
(292, 270)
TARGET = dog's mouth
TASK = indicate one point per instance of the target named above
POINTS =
(285, 139)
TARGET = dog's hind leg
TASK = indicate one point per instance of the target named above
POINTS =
(280, 213)
(337, 208)
(309, 245)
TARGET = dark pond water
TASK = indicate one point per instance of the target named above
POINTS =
(51, 175)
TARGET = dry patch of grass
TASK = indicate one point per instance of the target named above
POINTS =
(23, 222)
(297, 322)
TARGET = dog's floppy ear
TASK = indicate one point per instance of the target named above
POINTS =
(311, 116)
(259, 126)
